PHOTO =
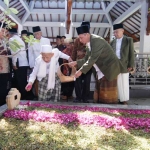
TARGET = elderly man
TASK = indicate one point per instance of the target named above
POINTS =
(100, 56)
(123, 47)
(35, 50)
(45, 70)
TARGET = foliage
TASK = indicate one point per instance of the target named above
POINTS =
(7, 12)
(13, 45)
(30, 40)
(9, 23)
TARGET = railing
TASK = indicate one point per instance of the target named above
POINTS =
(140, 76)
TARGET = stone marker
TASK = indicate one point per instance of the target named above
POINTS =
(13, 98)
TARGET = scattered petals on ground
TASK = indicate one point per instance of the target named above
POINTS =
(85, 118)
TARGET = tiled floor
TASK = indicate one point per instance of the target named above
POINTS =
(140, 101)
(134, 103)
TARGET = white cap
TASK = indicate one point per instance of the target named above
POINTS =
(46, 49)
(68, 40)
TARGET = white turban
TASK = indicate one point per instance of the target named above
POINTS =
(46, 49)
(52, 69)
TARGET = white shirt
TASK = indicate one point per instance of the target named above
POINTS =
(99, 73)
(35, 49)
(34, 73)
(118, 47)
(22, 55)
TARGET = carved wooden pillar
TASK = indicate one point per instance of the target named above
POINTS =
(148, 20)
(68, 21)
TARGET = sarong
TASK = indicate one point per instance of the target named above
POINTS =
(106, 91)
(49, 95)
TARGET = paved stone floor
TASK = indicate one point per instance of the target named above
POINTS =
(133, 103)
(139, 99)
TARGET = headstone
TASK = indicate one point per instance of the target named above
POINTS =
(13, 98)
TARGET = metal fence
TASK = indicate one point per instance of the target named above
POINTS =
(140, 76)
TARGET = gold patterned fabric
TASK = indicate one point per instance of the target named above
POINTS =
(79, 50)
(4, 62)
(106, 91)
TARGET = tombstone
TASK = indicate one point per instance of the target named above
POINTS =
(13, 98)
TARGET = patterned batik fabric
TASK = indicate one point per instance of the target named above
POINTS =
(49, 95)
(106, 91)
(4, 62)
(4, 65)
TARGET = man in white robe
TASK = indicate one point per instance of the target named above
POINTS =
(45, 69)
(35, 50)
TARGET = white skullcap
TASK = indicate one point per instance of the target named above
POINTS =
(68, 40)
(46, 49)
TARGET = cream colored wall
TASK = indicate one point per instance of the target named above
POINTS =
(137, 46)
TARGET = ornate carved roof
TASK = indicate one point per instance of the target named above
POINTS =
(50, 15)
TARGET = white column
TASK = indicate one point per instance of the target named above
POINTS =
(144, 39)
(20, 28)
(111, 33)
(70, 30)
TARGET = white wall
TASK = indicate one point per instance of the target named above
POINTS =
(137, 46)
(146, 46)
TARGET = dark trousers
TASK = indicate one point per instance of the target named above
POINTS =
(82, 86)
(67, 88)
(5, 85)
(20, 79)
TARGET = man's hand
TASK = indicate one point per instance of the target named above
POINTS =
(15, 68)
(78, 74)
(129, 69)
(72, 64)
(70, 60)
(29, 86)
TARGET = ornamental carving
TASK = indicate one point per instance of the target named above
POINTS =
(68, 21)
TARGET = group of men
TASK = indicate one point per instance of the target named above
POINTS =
(20, 62)
(111, 64)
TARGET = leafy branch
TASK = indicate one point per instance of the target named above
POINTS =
(30, 40)
(14, 45)
(7, 12)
